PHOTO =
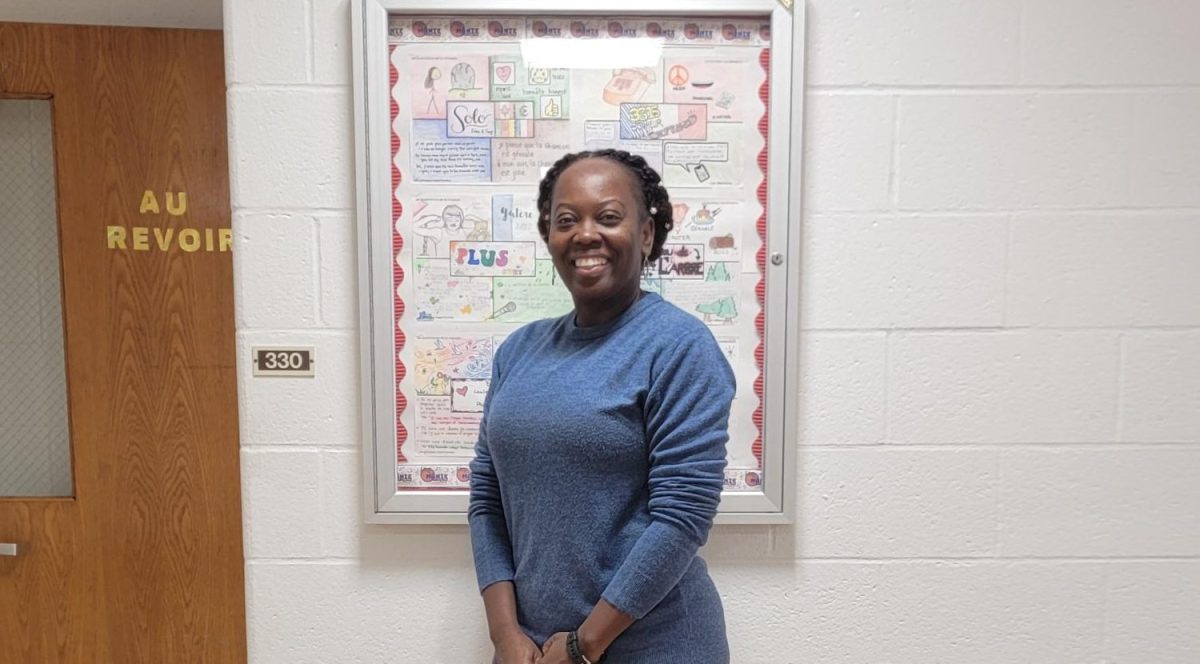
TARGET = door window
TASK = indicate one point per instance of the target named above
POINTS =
(35, 448)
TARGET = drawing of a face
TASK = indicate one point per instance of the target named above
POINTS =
(452, 217)
(597, 236)
(432, 75)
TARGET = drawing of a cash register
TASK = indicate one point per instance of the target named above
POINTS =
(628, 85)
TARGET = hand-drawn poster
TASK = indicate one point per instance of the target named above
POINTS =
(474, 127)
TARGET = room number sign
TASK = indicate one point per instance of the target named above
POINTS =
(283, 361)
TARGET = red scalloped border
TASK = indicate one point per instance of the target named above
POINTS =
(760, 289)
(397, 271)
(764, 60)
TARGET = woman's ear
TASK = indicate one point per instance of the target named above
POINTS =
(648, 236)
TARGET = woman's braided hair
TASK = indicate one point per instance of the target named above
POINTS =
(653, 194)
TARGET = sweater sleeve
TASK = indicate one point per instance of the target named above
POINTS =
(485, 512)
(687, 420)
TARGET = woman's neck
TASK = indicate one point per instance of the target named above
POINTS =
(599, 313)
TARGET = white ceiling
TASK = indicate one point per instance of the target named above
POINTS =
(145, 13)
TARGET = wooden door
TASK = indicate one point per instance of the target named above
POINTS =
(144, 562)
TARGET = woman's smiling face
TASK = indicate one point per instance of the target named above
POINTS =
(598, 236)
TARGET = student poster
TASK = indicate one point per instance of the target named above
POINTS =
(474, 125)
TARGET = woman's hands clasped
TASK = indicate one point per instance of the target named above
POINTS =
(517, 648)
(554, 651)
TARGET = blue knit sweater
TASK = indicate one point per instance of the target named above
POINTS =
(597, 474)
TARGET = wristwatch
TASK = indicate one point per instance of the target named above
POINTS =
(573, 651)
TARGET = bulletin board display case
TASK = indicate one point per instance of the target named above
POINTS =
(460, 107)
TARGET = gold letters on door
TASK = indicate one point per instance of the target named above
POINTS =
(150, 238)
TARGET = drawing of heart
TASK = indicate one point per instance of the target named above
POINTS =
(503, 73)
(462, 391)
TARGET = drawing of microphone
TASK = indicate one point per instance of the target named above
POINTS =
(506, 309)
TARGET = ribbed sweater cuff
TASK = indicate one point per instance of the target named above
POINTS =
(654, 566)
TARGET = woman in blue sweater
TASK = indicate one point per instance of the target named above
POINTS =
(601, 452)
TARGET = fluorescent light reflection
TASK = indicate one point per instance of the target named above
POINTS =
(591, 53)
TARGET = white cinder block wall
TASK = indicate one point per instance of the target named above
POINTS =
(1000, 413)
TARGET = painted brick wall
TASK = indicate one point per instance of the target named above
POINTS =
(1000, 411)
